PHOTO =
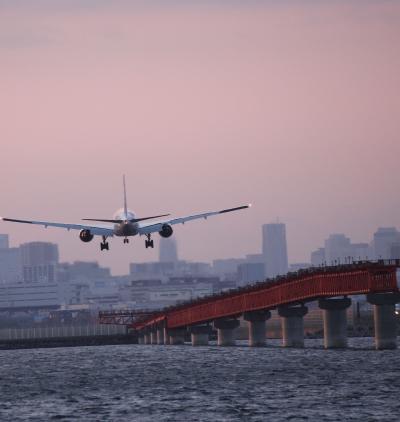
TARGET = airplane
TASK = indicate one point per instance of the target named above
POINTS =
(125, 224)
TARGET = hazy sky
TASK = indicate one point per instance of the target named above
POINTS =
(291, 105)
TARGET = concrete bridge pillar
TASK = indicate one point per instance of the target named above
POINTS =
(153, 336)
(160, 335)
(385, 319)
(292, 325)
(141, 338)
(166, 336)
(147, 338)
(226, 331)
(176, 336)
(335, 322)
(257, 327)
(200, 335)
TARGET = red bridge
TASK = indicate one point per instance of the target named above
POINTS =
(331, 286)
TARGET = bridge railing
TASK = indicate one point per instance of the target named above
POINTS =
(60, 331)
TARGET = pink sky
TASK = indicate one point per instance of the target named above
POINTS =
(291, 105)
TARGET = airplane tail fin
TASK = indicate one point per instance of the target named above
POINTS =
(125, 201)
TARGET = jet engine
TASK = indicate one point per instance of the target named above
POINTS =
(86, 236)
(166, 231)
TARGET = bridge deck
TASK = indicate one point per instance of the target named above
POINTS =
(301, 287)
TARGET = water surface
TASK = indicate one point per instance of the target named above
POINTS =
(183, 383)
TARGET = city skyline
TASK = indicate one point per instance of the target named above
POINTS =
(336, 248)
(91, 253)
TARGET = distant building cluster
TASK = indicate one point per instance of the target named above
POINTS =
(338, 248)
(33, 278)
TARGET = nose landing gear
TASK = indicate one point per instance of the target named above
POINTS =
(126, 240)
(149, 243)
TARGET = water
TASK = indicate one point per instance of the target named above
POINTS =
(182, 383)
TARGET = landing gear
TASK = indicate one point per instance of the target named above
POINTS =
(104, 244)
(126, 240)
(149, 243)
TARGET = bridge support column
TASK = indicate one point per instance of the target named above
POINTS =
(153, 336)
(160, 335)
(177, 336)
(166, 336)
(292, 325)
(385, 319)
(200, 335)
(141, 339)
(257, 327)
(335, 322)
(226, 331)
(147, 338)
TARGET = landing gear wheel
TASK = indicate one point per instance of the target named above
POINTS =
(149, 243)
(126, 240)
(104, 244)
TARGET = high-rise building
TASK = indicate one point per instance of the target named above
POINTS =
(361, 251)
(10, 265)
(227, 266)
(250, 272)
(395, 251)
(337, 248)
(4, 243)
(256, 259)
(168, 250)
(318, 257)
(274, 249)
(39, 262)
(81, 270)
(29, 296)
(384, 238)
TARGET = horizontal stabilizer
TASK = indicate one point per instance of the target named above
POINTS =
(103, 220)
(133, 220)
(136, 220)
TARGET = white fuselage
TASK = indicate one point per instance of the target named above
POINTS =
(126, 228)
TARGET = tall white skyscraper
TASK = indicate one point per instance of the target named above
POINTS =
(168, 250)
(275, 249)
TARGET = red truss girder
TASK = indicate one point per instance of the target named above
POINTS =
(288, 290)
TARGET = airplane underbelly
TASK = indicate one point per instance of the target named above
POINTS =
(126, 230)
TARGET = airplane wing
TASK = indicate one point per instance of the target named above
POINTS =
(148, 228)
(96, 230)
